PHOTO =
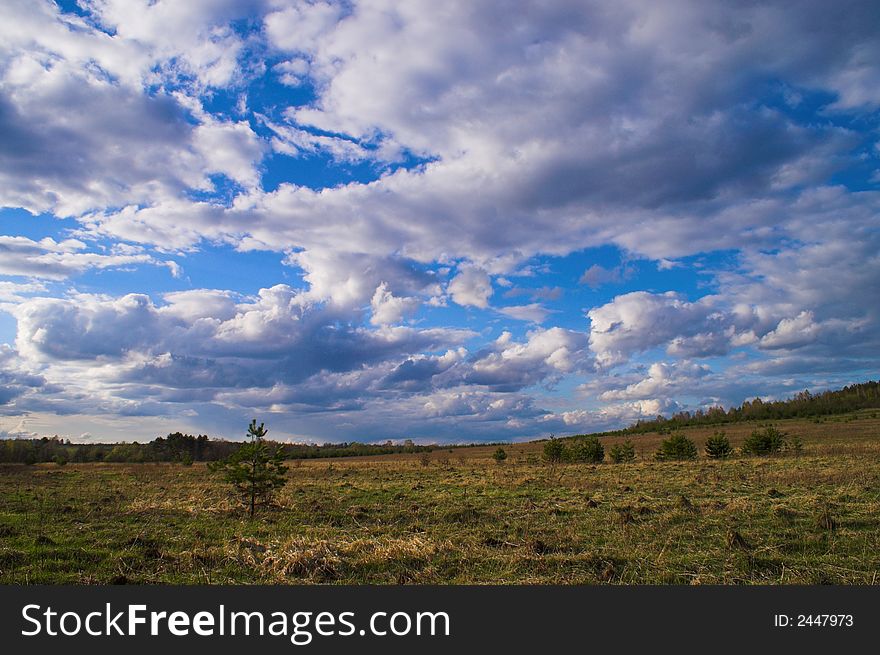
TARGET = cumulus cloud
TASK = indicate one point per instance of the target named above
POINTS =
(80, 134)
(471, 287)
(15, 379)
(472, 143)
(205, 339)
(389, 309)
(662, 381)
(544, 357)
(637, 321)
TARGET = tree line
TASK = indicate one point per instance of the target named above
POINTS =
(865, 395)
(178, 447)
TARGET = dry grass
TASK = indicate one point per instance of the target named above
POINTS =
(813, 518)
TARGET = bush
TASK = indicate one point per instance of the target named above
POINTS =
(623, 452)
(588, 450)
(718, 446)
(499, 455)
(60, 459)
(764, 442)
(676, 447)
(554, 451)
(186, 460)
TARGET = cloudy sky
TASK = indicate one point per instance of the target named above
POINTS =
(451, 221)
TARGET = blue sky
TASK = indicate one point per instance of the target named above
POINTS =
(440, 221)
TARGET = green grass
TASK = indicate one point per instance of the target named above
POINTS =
(461, 519)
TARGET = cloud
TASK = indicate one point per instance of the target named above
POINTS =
(204, 339)
(634, 322)
(532, 313)
(515, 172)
(15, 380)
(297, 142)
(473, 145)
(229, 148)
(471, 287)
(389, 309)
(663, 381)
(597, 276)
(195, 304)
(292, 71)
(79, 131)
(11, 292)
(539, 293)
(54, 260)
(300, 28)
(544, 357)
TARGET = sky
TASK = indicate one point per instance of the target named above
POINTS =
(444, 221)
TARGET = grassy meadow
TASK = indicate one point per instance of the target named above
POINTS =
(457, 517)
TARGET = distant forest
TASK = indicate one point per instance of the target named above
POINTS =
(176, 447)
(865, 395)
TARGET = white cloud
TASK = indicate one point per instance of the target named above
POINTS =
(532, 313)
(53, 260)
(471, 287)
(389, 309)
(545, 130)
(544, 357)
(130, 348)
(637, 321)
(295, 142)
(11, 292)
(663, 381)
(196, 304)
(292, 71)
(299, 28)
(230, 148)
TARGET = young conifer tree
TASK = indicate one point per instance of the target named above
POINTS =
(255, 471)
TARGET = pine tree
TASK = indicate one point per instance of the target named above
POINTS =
(718, 446)
(554, 450)
(676, 447)
(764, 442)
(623, 452)
(254, 471)
(588, 450)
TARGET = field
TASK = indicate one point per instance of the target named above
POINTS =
(458, 518)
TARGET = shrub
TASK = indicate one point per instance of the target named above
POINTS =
(554, 450)
(60, 459)
(587, 450)
(499, 455)
(764, 442)
(676, 447)
(425, 460)
(186, 460)
(623, 452)
(718, 446)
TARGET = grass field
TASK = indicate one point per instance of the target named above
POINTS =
(810, 518)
